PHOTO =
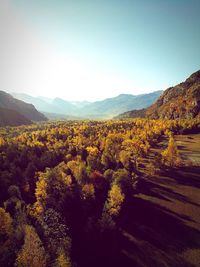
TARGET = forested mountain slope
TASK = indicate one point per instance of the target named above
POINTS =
(12, 118)
(26, 110)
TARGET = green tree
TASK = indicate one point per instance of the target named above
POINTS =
(55, 233)
(53, 188)
(123, 178)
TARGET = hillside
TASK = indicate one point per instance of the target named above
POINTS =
(54, 106)
(64, 107)
(12, 118)
(140, 113)
(106, 108)
(180, 101)
(39, 103)
(121, 103)
(27, 110)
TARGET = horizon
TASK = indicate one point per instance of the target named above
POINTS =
(46, 98)
(86, 51)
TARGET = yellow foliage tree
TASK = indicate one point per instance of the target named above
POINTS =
(170, 155)
(62, 260)
(32, 253)
(6, 230)
(88, 191)
(2, 141)
(115, 200)
(5, 223)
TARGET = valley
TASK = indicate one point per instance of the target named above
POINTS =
(99, 133)
(101, 193)
(102, 109)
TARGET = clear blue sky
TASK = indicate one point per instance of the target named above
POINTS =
(96, 49)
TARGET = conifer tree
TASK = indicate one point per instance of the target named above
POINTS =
(170, 155)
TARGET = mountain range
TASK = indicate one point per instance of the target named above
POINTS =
(180, 101)
(103, 109)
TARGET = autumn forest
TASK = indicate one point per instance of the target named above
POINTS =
(99, 133)
(65, 186)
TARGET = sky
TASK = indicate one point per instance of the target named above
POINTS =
(91, 50)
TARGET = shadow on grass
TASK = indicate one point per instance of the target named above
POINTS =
(151, 188)
(189, 176)
(147, 234)
(152, 236)
(182, 147)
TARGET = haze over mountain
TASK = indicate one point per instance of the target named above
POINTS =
(16, 112)
(60, 117)
(106, 108)
(180, 101)
(40, 103)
